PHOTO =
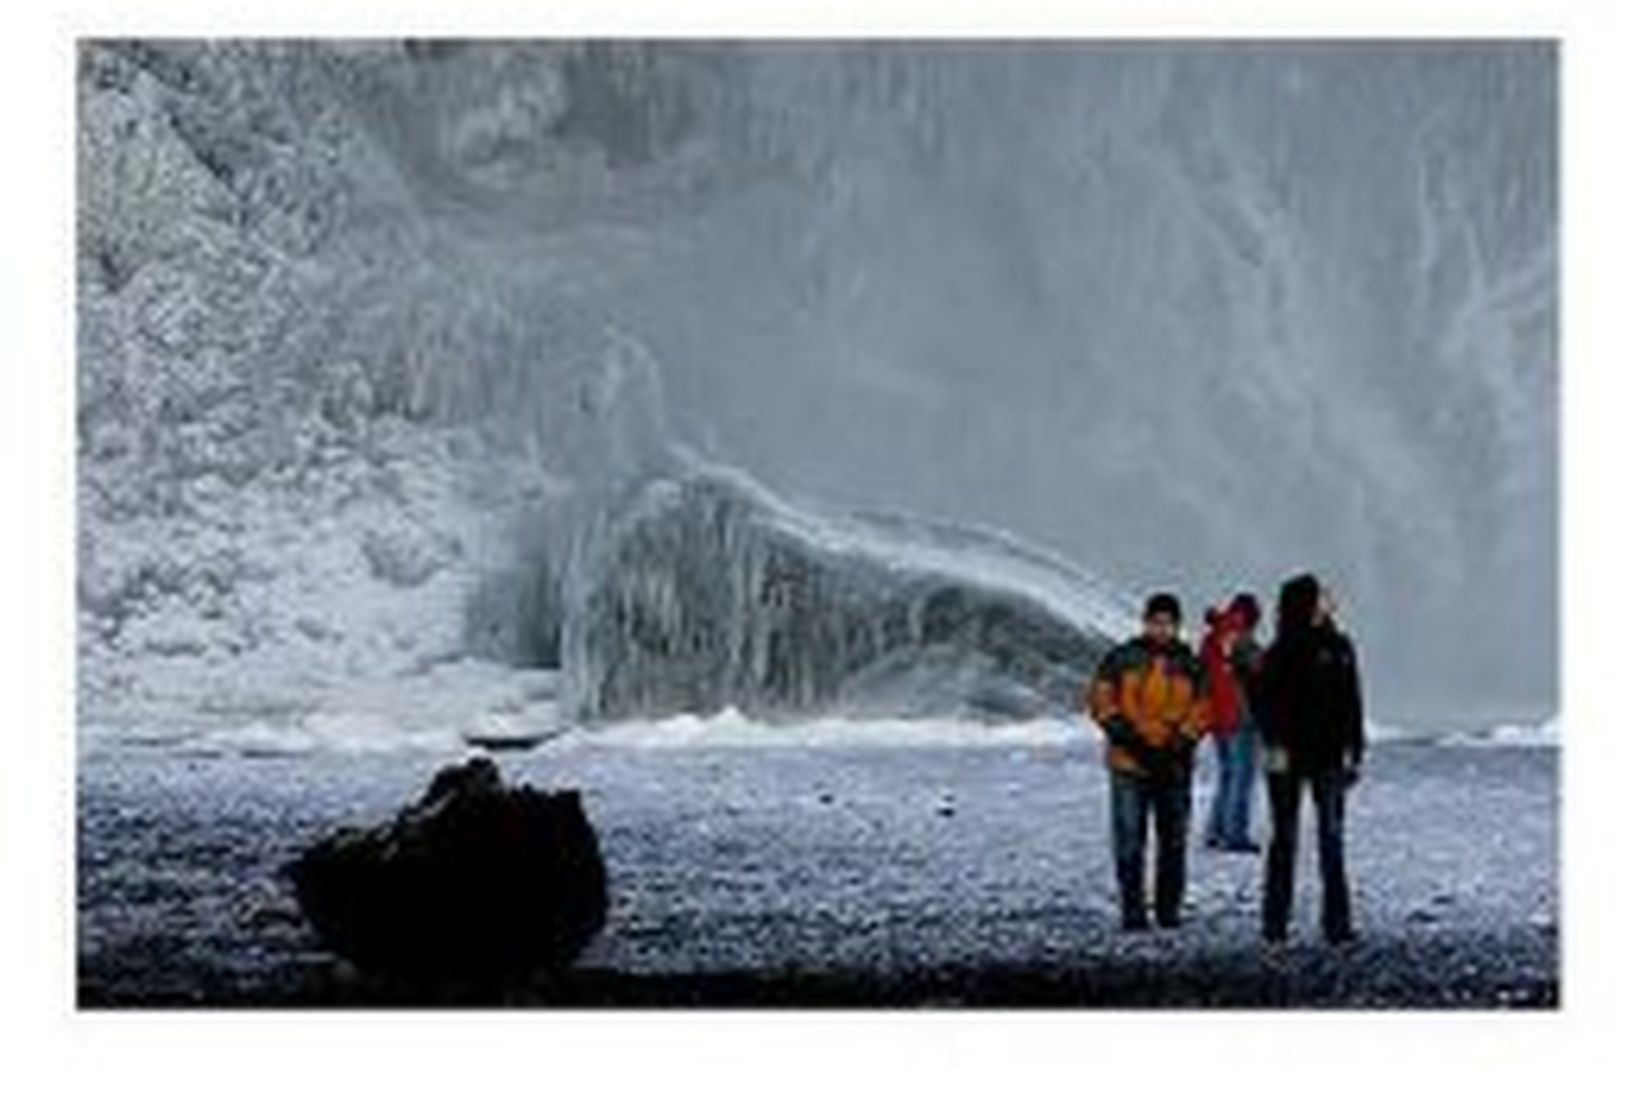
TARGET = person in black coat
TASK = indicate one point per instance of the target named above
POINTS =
(1308, 703)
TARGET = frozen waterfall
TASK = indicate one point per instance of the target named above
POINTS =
(391, 357)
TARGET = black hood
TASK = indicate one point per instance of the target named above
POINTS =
(1296, 612)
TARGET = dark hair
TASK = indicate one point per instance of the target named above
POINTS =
(1246, 605)
(1164, 603)
(1295, 613)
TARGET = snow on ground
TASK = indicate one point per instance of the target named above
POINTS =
(1543, 735)
(462, 701)
(702, 591)
(1539, 734)
(839, 862)
(430, 710)
(732, 729)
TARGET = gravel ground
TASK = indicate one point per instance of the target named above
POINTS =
(818, 876)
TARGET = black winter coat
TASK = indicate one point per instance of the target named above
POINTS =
(1307, 699)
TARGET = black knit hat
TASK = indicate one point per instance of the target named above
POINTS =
(1164, 603)
(1246, 605)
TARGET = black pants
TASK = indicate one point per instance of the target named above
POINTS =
(1135, 801)
(1327, 788)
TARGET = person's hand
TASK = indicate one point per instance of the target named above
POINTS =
(1352, 772)
(1176, 755)
(1155, 761)
(1276, 760)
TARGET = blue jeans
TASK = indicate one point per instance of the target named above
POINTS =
(1230, 822)
(1135, 802)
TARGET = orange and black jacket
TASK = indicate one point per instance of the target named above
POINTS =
(1151, 697)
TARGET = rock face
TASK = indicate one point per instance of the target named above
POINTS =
(475, 881)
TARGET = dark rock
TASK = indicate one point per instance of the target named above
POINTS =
(475, 881)
(506, 742)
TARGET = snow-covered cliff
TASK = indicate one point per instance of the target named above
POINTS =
(395, 358)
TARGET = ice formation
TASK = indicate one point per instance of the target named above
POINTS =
(706, 591)
(392, 358)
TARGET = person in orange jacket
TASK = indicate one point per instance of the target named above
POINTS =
(1150, 697)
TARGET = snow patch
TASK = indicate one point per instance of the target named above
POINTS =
(732, 728)
(1544, 734)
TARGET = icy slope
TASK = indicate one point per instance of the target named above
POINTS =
(320, 431)
(706, 591)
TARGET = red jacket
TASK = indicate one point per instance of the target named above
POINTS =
(1223, 692)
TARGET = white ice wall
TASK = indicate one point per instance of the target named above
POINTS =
(372, 333)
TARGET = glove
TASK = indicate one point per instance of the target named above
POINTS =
(1170, 760)
(1157, 762)
(1123, 735)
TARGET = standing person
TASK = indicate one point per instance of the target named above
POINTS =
(1308, 701)
(1149, 696)
(1230, 655)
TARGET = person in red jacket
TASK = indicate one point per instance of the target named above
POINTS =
(1230, 656)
